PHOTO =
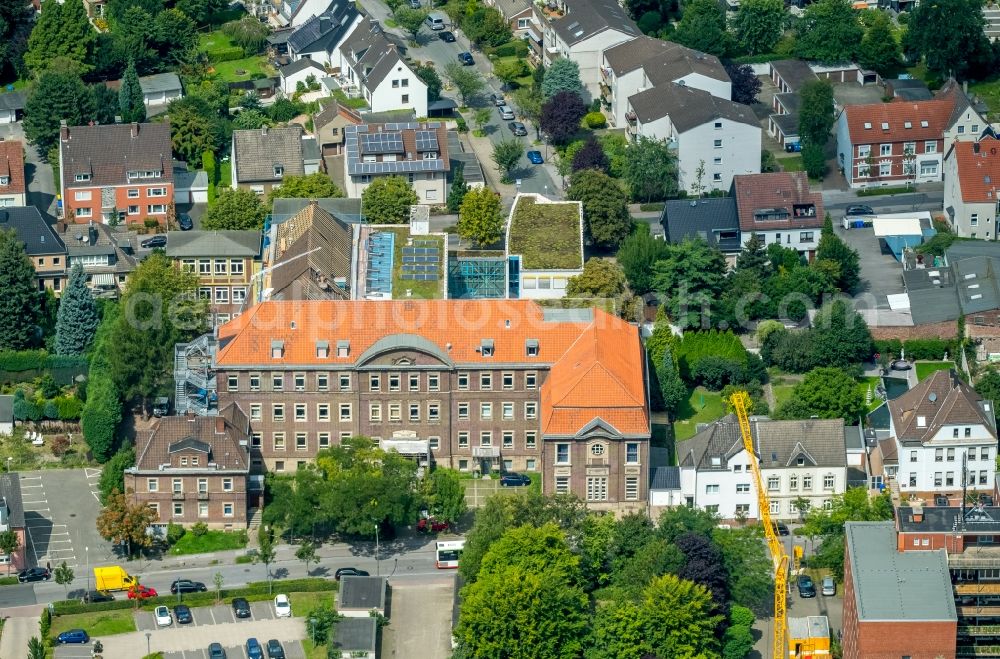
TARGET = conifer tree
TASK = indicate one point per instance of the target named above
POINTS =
(77, 319)
(20, 303)
(130, 96)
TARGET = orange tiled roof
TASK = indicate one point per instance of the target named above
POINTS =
(936, 113)
(596, 363)
(12, 165)
(978, 169)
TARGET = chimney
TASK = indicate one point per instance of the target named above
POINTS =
(965, 87)
(135, 130)
(92, 234)
(263, 130)
(63, 130)
(220, 425)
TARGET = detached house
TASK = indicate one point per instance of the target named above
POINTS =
(972, 176)
(780, 208)
(708, 133)
(586, 29)
(372, 67)
(416, 151)
(263, 157)
(13, 187)
(121, 171)
(798, 460)
(940, 429)
(42, 245)
(192, 469)
(293, 13)
(319, 36)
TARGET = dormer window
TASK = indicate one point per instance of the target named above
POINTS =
(322, 349)
(924, 124)
(430, 155)
(885, 126)
(907, 124)
(531, 347)
(800, 461)
(279, 171)
(277, 349)
(343, 348)
(486, 347)
(79, 178)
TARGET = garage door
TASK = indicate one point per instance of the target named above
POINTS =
(182, 196)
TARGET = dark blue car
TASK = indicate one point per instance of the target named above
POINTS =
(466, 59)
(74, 636)
(514, 480)
(535, 157)
(254, 650)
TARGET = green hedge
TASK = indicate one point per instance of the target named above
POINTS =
(27, 360)
(225, 55)
(256, 591)
(513, 48)
(875, 192)
(932, 349)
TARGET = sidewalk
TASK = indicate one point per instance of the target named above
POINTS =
(20, 624)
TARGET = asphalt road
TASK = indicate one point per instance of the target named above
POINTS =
(836, 202)
(40, 177)
(534, 178)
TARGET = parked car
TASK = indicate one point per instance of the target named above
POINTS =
(282, 607)
(161, 615)
(274, 649)
(185, 222)
(241, 607)
(466, 59)
(446, 37)
(34, 574)
(187, 586)
(505, 112)
(96, 596)
(74, 636)
(141, 592)
(780, 528)
(829, 586)
(859, 209)
(806, 586)
(216, 651)
(161, 406)
(154, 242)
(430, 524)
(254, 651)
(349, 572)
(535, 157)
(514, 480)
(517, 128)
(497, 100)
(183, 614)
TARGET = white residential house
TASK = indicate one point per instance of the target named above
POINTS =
(780, 208)
(293, 13)
(371, 67)
(543, 274)
(971, 180)
(160, 88)
(586, 29)
(319, 36)
(645, 62)
(800, 461)
(707, 132)
(940, 428)
(968, 118)
(298, 71)
(417, 152)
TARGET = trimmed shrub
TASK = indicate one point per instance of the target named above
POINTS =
(225, 55)
(929, 348)
(513, 48)
(41, 360)
(890, 347)
(595, 120)
(714, 373)
(694, 346)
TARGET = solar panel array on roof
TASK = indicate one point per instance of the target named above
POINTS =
(380, 248)
(421, 263)
(384, 142)
(420, 267)
(426, 140)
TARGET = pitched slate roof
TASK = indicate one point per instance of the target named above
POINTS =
(688, 107)
(213, 243)
(37, 235)
(596, 360)
(705, 218)
(778, 444)
(371, 54)
(256, 152)
(12, 167)
(939, 400)
(102, 239)
(355, 635)
(880, 123)
(220, 436)
(665, 478)
(312, 250)
(663, 61)
(777, 190)
(631, 55)
(585, 18)
(160, 82)
(952, 90)
(300, 65)
(330, 109)
(978, 169)
(511, 8)
(12, 100)
(324, 31)
(108, 152)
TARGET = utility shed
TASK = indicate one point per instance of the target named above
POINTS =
(359, 596)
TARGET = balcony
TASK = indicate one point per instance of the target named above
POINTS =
(630, 118)
(977, 589)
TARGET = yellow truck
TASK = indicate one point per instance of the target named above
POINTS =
(113, 577)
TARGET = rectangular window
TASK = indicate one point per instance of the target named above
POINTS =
(84, 212)
(434, 442)
(597, 488)
(178, 509)
(344, 381)
(414, 412)
(414, 379)
(433, 412)
(155, 209)
(631, 488)
(529, 439)
(300, 412)
(433, 382)
(133, 193)
(221, 266)
(508, 439)
(807, 483)
(632, 453)
(375, 412)
(255, 411)
(913, 456)
(300, 381)
(485, 381)
(485, 411)
(322, 411)
(508, 411)
(463, 381)
(255, 382)
(301, 441)
(530, 380)
(864, 150)
(463, 439)
(202, 509)
(828, 482)
(374, 382)
(885, 150)
(712, 489)
(227, 510)
(463, 411)
(930, 146)
(394, 379)
(984, 453)
(236, 267)
(345, 412)
(157, 192)
(133, 209)
(323, 439)
(278, 440)
(562, 484)
(938, 455)
(256, 440)
(278, 412)
(951, 455)
(152, 484)
(277, 382)
(562, 454)
(938, 478)
(395, 412)
(949, 478)
(486, 438)
(233, 382)
(742, 488)
(508, 381)
(530, 410)
(717, 144)
(773, 483)
(805, 236)
(227, 484)
(885, 169)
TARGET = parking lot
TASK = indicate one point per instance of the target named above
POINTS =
(59, 512)
(421, 620)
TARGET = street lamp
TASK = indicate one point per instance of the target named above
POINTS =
(376, 552)
(87, 550)
(148, 635)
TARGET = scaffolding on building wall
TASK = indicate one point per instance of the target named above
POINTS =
(477, 277)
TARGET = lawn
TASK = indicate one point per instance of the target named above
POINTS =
(702, 406)
(210, 541)
(523, 81)
(989, 92)
(421, 290)
(249, 68)
(791, 164)
(782, 392)
(214, 40)
(352, 103)
(98, 623)
(863, 385)
(926, 368)
(547, 236)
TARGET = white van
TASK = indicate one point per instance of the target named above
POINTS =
(435, 20)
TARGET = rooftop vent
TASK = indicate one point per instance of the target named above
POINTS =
(932, 397)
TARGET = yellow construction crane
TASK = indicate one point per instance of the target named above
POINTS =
(739, 401)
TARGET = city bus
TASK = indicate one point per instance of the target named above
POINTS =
(448, 553)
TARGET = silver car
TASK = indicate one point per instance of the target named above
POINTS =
(829, 586)
(505, 112)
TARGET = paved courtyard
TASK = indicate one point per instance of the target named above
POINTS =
(420, 619)
(881, 273)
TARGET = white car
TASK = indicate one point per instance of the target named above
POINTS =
(162, 616)
(282, 607)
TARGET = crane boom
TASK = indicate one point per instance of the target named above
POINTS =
(779, 558)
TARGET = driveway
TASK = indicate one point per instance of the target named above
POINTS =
(421, 619)
(41, 180)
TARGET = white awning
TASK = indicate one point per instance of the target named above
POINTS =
(406, 446)
(899, 301)
(102, 278)
(486, 451)
(896, 226)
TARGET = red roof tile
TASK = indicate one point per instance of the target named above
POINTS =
(940, 400)
(882, 123)
(12, 166)
(777, 191)
(978, 169)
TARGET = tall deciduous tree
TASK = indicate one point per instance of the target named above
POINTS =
(816, 116)
(506, 155)
(563, 75)
(703, 27)
(650, 171)
(854, 505)
(529, 102)
(194, 128)
(63, 575)
(20, 302)
(561, 116)
(601, 278)
(591, 156)
(410, 20)
(467, 80)
(235, 209)
(605, 210)
(62, 31)
(827, 393)
(444, 494)
(832, 248)
(308, 186)
(124, 521)
(746, 84)
(387, 200)
(948, 34)
(77, 318)
(479, 218)
(130, 99)
(248, 33)
(828, 32)
(57, 95)
(430, 77)
(637, 255)
(879, 50)
(266, 552)
(16, 20)
(759, 25)
(486, 26)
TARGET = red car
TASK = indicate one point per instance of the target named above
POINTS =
(432, 525)
(141, 592)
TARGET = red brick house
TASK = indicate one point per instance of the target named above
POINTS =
(193, 469)
(13, 188)
(780, 208)
(118, 170)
